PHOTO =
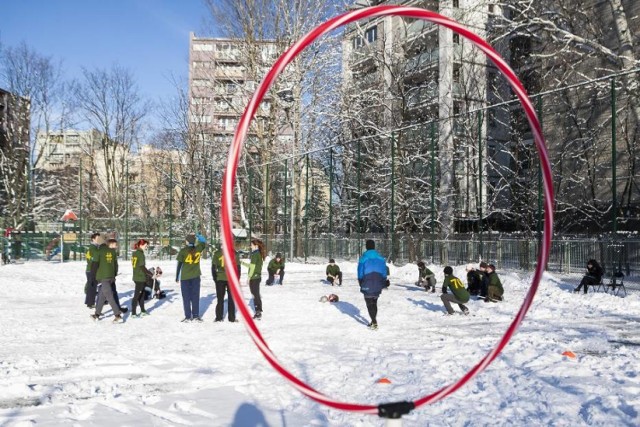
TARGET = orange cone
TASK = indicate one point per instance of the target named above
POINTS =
(569, 354)
(384, 381)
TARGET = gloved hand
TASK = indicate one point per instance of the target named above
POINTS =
(201, 238)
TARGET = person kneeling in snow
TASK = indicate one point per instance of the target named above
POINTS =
(495, 291)
(334, 275)
(459, 294)
(275, 267)
(426, 278)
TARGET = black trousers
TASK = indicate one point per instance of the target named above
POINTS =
(91, 289)
(138, 297)
(222, 287)
(372, 307)
(271, 274)
(254, 286)
(330, 279)
(586, 282)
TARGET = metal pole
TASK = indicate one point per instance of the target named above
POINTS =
(393, 161)
(480, 182)
(284, 217)
(539, 226)
(331, 203)
(265, 224)
(249, 201)
(170, 208)
(211, 212)
(126, 214)
(80, 216)
(433, 186)
(293, 190)
(614, 201)
(358, 211)
(306, 212)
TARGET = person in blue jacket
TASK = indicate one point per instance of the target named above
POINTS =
(372, 275)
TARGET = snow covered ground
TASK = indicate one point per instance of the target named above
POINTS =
(58, 367)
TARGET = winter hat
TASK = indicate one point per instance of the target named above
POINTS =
(279, 255)
(191, 239)
(333, 298)
(483, 264)
(448, 270)
(324, 298)
(332, 261)
(370, 244)
(421, 264)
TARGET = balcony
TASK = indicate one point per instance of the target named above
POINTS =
(423, 61)
(419, 28)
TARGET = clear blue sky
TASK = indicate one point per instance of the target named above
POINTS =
(149, 37)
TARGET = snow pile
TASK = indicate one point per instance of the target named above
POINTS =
(57, 367)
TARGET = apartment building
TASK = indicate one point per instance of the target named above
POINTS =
(64, 148)
(223, 74)
(410, 74)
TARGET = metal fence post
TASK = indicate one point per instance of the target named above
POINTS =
(284, 218)
(306, 211)
(358, 193)
(393, 158)
(480, 182)
(250, 201)
(126, 213)
(331, 203)
(614, 199)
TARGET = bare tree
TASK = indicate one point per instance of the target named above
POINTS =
(109, 101)
(294, 99)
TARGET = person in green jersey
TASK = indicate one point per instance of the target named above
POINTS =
(105, 266)
(140, 276)
(258, 254)
(458, 295)
(221, 280)
(188, 274)
(91, 287)
(495, 291)
(275, 268)
(426, 278)
(334, 275)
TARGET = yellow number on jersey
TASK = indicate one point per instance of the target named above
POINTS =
(134, 261)
(193, 259)
(456, 283)
(222, 261)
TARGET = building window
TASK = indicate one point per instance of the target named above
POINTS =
(491, 8)
(203, 47)
(200, 83)
(457, 108)
(371, 34)
(457, 72)
(227, 123)
(456, 39)
(358, 42)
(456, 3)
(200, 119)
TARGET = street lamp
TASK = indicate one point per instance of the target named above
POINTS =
(287, 96)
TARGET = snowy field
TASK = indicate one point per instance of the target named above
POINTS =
(58, 367)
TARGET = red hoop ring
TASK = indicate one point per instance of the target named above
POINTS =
(232, 167)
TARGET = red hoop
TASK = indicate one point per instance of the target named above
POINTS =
(232, 167)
